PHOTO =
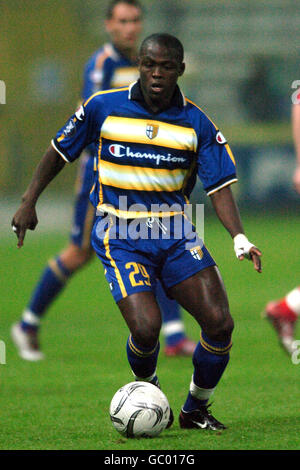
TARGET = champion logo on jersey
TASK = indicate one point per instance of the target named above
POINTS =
(220, 138)
(151, 131)
(117, 150)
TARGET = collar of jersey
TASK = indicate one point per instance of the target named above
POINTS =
(135, 94)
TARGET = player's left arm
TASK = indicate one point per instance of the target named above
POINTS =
(25, 217)
(217, 171)
(227, 211)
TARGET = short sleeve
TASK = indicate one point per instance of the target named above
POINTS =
(79, 131)
(216, 163)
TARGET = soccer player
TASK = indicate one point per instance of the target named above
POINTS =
(152, 142)
(112, 66)
(283, 313)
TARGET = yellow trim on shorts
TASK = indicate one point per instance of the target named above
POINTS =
(112, 261)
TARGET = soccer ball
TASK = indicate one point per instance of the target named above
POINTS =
(139, 409)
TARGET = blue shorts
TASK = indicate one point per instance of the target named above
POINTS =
(137, 252)
(84, 212)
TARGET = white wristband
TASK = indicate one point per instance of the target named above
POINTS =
(242, 245)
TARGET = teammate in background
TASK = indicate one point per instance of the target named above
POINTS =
(154, 119)
(112, 66)
(283, 314)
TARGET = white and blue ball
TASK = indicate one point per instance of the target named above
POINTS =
(139, 409)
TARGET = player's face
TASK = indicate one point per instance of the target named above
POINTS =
(124, 26)
(159, 71)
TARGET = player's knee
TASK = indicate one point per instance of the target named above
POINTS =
(146, 336)
(222, 328)
(75, 257)
(227, 327)
(83, 256)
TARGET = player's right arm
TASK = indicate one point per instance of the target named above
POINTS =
(25, 217)
(78, 132)
(296, 137)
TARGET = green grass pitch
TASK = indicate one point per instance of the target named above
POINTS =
(62, 402)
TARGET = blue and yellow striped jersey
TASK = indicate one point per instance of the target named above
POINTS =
(107, 68)
(147, 163)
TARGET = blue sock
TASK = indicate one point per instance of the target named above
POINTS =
(172, 328)
(210, 360)
(51, 283)
(142, 360)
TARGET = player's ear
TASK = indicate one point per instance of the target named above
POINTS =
(181, 69)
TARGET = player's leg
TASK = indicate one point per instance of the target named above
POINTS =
(191, 277)
(143, 317)
(204, 296)
(59, 269)
(283, 315)
(176, 341)
(131, 276)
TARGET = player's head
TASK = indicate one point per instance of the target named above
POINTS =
(164, 40)
(160, 64)
(124, 23)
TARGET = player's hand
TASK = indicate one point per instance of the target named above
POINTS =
(25, 218)
(244, 249)
(255, 256)
(296, 179)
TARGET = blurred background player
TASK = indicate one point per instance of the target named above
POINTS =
(112, 66)
(284, 313)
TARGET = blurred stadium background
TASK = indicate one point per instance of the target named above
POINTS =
(242, 58)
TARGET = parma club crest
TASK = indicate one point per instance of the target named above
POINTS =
(151, 131)
(196, 252)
